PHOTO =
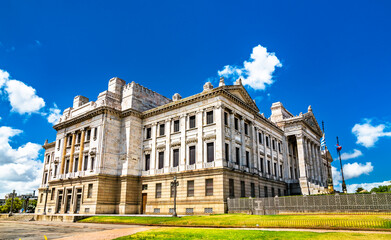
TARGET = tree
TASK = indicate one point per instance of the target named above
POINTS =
(359, 189)
(32, 205)
(16, 206)
(382, 188)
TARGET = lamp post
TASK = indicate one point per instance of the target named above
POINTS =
(174, 184)
(12, 203)
(340, 161)
(46, 198)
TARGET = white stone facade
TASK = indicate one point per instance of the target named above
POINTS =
(111, 155)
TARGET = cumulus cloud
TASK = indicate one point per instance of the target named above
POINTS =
(368, 134)
(54, 114)
(23, 98)
(353, 170)
(350, 170)
(257, 71)
(355, 154)
(20, 167)
(367, 186)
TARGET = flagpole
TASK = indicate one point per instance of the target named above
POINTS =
(340, 161)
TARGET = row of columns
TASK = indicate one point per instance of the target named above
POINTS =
(72, 153)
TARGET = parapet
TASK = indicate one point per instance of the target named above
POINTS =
(79, 101)
(279, 112)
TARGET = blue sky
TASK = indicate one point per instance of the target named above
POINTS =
(333, 55)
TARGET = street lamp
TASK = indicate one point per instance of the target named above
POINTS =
(12, 203)
(174, 184)
(46, 198)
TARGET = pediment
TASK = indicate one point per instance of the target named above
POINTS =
(311, 121)
(241, 93)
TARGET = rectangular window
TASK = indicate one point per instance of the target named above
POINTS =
(209, 117)
(281, 171)
(273, 192)
(261, 168)
(144, 187)
(236, 124)
(291, 172)
(176, 126)
(95, 133)
(175, 157)
(67, 166)
(225, 118)
(52, 193)
(46, 178)
(69, 141)
(227, 152)
(148, 133)
(161, 160)
(242, 189)
(246, 128)
(260, 138)
(85, 163)
(210, 152)
(190, 188)
(92, 163)
(161, 129)
(247, 159)
(279, 147)
(47, 158)
(237, 153)
(275, 169)
(40, 199)
(208, 187)
(158, 193)
(59, 144)
(268, 167)
(89, 192)
(279, 192)
(75, 168)
(267, 141)
(88, 136)
(192, 155)
(274, 144)
(78, 138)
(55, 170)
(192, 121)
(252, 190)
(265, 189)
(147, 161)
(231, 188)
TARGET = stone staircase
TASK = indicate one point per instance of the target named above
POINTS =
(17, 217)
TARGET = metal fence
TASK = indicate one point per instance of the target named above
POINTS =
(380, 202)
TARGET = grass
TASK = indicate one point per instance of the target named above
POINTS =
(191, 233)
(327, 221)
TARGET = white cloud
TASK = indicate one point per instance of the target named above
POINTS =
(353, 170)
(355, 154)
(22, 98)
(350, 170)
(257, 72)
(54, 114)
(20, 168)
(368, 134)
(367, 186)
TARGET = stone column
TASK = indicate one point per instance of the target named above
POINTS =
(200, 141)
(243, 141)
(301, 152)
(220, 135)
(167, 151)
(310, 160)
(232, 143)
(81, 149)
(154, 155)
(72, 152)
(255, 141)
(182, 151)
(64, 152)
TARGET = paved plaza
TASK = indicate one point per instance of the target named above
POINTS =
(60, 230)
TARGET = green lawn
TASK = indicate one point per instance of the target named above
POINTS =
(243, 220)
(191, 233)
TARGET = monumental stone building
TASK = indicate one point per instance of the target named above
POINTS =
(119, 154)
